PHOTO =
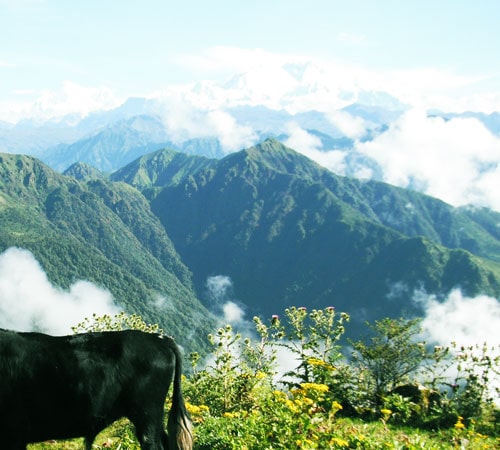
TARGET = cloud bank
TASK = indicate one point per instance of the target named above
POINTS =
(468, 321)
(456, 160)
(219, 289)
(29, 302)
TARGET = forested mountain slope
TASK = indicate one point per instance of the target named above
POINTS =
(288, 232)
(103, 232)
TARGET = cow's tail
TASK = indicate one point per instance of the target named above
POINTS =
(179, 424)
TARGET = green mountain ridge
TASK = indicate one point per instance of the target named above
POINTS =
(284, 229)
(103, 232)
(287, 231)
(159, 169)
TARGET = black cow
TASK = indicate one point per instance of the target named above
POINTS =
(74, 386)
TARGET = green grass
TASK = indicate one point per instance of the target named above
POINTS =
(222, 433)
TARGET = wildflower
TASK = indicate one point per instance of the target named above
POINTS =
(260, 375)
(297, 391)
(292, 406)
(339, 442)
(315, 387)
(320, 363)
(196, 410)
(230, 415)
(280, 395)
(460, 424)
(336, 406)
(386, 413)
(307, 401)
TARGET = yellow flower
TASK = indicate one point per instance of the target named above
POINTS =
(292, 406)
(336, 406)
(280, 395)
(459, 425)
(320, 363)
(298, 392)
(307, 401)
(196, 410)
(386, 412)
(315, 387)
(339, 442)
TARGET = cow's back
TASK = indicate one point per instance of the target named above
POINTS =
(73, 386)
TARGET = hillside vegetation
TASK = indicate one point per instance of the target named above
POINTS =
(283, 229)
(287, 231)
(103, 232)
(393, 393)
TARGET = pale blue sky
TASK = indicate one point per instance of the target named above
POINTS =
(138, 46)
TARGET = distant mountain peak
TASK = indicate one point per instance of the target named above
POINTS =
(161, 168)
(83, 172)
(28, 171)
(278, 157)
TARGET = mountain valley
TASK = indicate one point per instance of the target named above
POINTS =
(283, 229)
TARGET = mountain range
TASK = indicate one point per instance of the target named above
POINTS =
(285, 231)
(97, 230)
(108, 140)
(289, 232)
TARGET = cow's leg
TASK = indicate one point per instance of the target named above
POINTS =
(88, 442)
(149, 431)
(151, 438)
(164, 440)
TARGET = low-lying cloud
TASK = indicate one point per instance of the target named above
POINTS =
(468, 321)
(185, 119)
(29, 301)
(456, 160)
(222, 303)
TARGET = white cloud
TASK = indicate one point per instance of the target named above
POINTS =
(186, 117)
(309, 145)
(219, 289)
(232, 136)
(301, 140)
(468, 321)
(232, 312)
(456, 160)
(298, 82)
(294, 82)
(29, 302)
(350, 126)
(71, 98)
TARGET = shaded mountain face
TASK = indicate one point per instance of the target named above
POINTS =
(86, 227)
(285, 230)
(288, 232)
(160, 169)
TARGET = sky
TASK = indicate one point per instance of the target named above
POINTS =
(60, 57)
(137, 47)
